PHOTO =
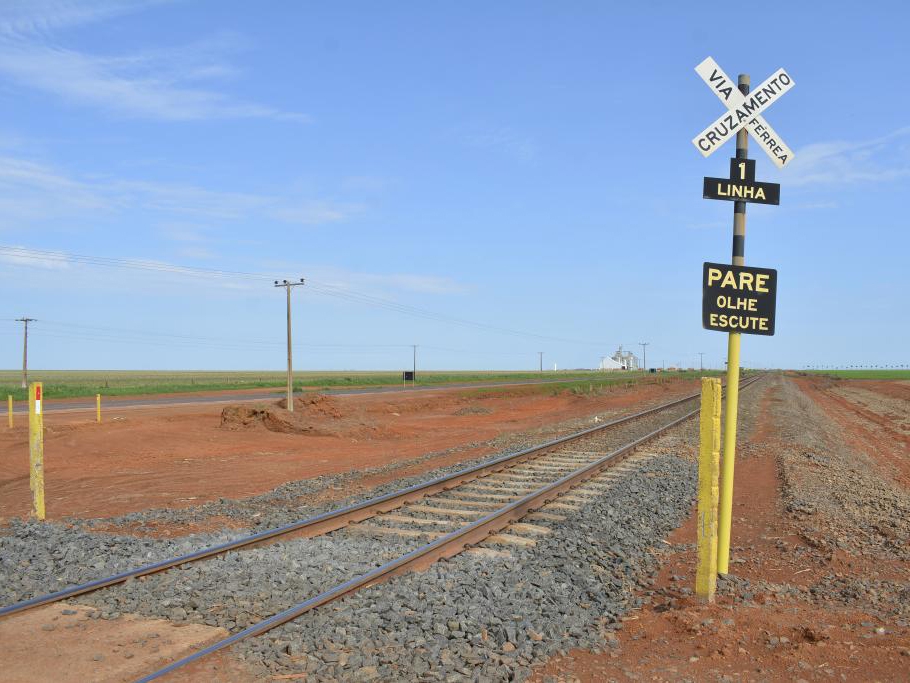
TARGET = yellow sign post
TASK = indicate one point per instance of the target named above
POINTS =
(36, 448)
(708, 488)
(725, 517)
(9, 409)
(98, 407)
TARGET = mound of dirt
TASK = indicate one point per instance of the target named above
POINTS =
(276, 418)
(314, 404)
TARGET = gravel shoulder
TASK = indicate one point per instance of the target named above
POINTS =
(820, 573)
(873, 418)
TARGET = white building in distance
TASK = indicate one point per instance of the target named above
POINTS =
(625, 360)
(609, 364)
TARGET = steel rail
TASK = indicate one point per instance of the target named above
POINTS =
(333, 519)
(445, 546)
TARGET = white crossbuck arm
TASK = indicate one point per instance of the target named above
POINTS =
(743, 112)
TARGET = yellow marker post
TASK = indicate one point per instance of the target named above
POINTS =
(708, 471)
(98, 407)
(36, 448)
(9, 409)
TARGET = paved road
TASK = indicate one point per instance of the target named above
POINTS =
(73, 405)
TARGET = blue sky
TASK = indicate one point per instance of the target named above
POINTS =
(520, 172)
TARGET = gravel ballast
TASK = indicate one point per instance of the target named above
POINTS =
(469, 618)
(488, 619)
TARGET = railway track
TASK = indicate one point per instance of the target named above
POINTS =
(495, 504)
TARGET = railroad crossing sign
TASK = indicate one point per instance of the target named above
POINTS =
(744, 111)
(741, 186)
(737, 299)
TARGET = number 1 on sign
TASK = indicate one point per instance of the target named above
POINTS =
(742, 171)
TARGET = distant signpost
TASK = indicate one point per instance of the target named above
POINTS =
(737, 299)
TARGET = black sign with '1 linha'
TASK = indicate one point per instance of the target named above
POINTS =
(741, 186)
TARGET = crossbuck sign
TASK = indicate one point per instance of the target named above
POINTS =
(743, 111)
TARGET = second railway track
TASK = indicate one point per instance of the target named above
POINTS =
(498, 505)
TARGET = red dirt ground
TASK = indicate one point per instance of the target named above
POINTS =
(867, 430)
(181, 456)
(676, 638)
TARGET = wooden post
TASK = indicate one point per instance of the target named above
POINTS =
(36, 448)
(708, 489)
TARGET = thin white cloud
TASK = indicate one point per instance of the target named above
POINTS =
(814, 206)
(882, 159)
(367, 183)
(90, 271)
(32, 191)
(427, 284)
(504, 139)
(384, 283)
(184, 233)
(86, 273)
(313, 212)
(40, 17)
(173, 84)
(197, 253)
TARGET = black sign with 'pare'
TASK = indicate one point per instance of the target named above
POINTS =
(739, 299)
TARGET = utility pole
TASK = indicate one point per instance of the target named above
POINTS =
(415, 362)
(287, 284)
(644, 354)
(540, 355)
(701, 360)
(25, 351)
(602, 359)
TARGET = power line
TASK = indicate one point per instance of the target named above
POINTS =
(133, 336)
(120, 335)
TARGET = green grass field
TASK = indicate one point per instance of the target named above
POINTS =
(862, 374)
(73, 383)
